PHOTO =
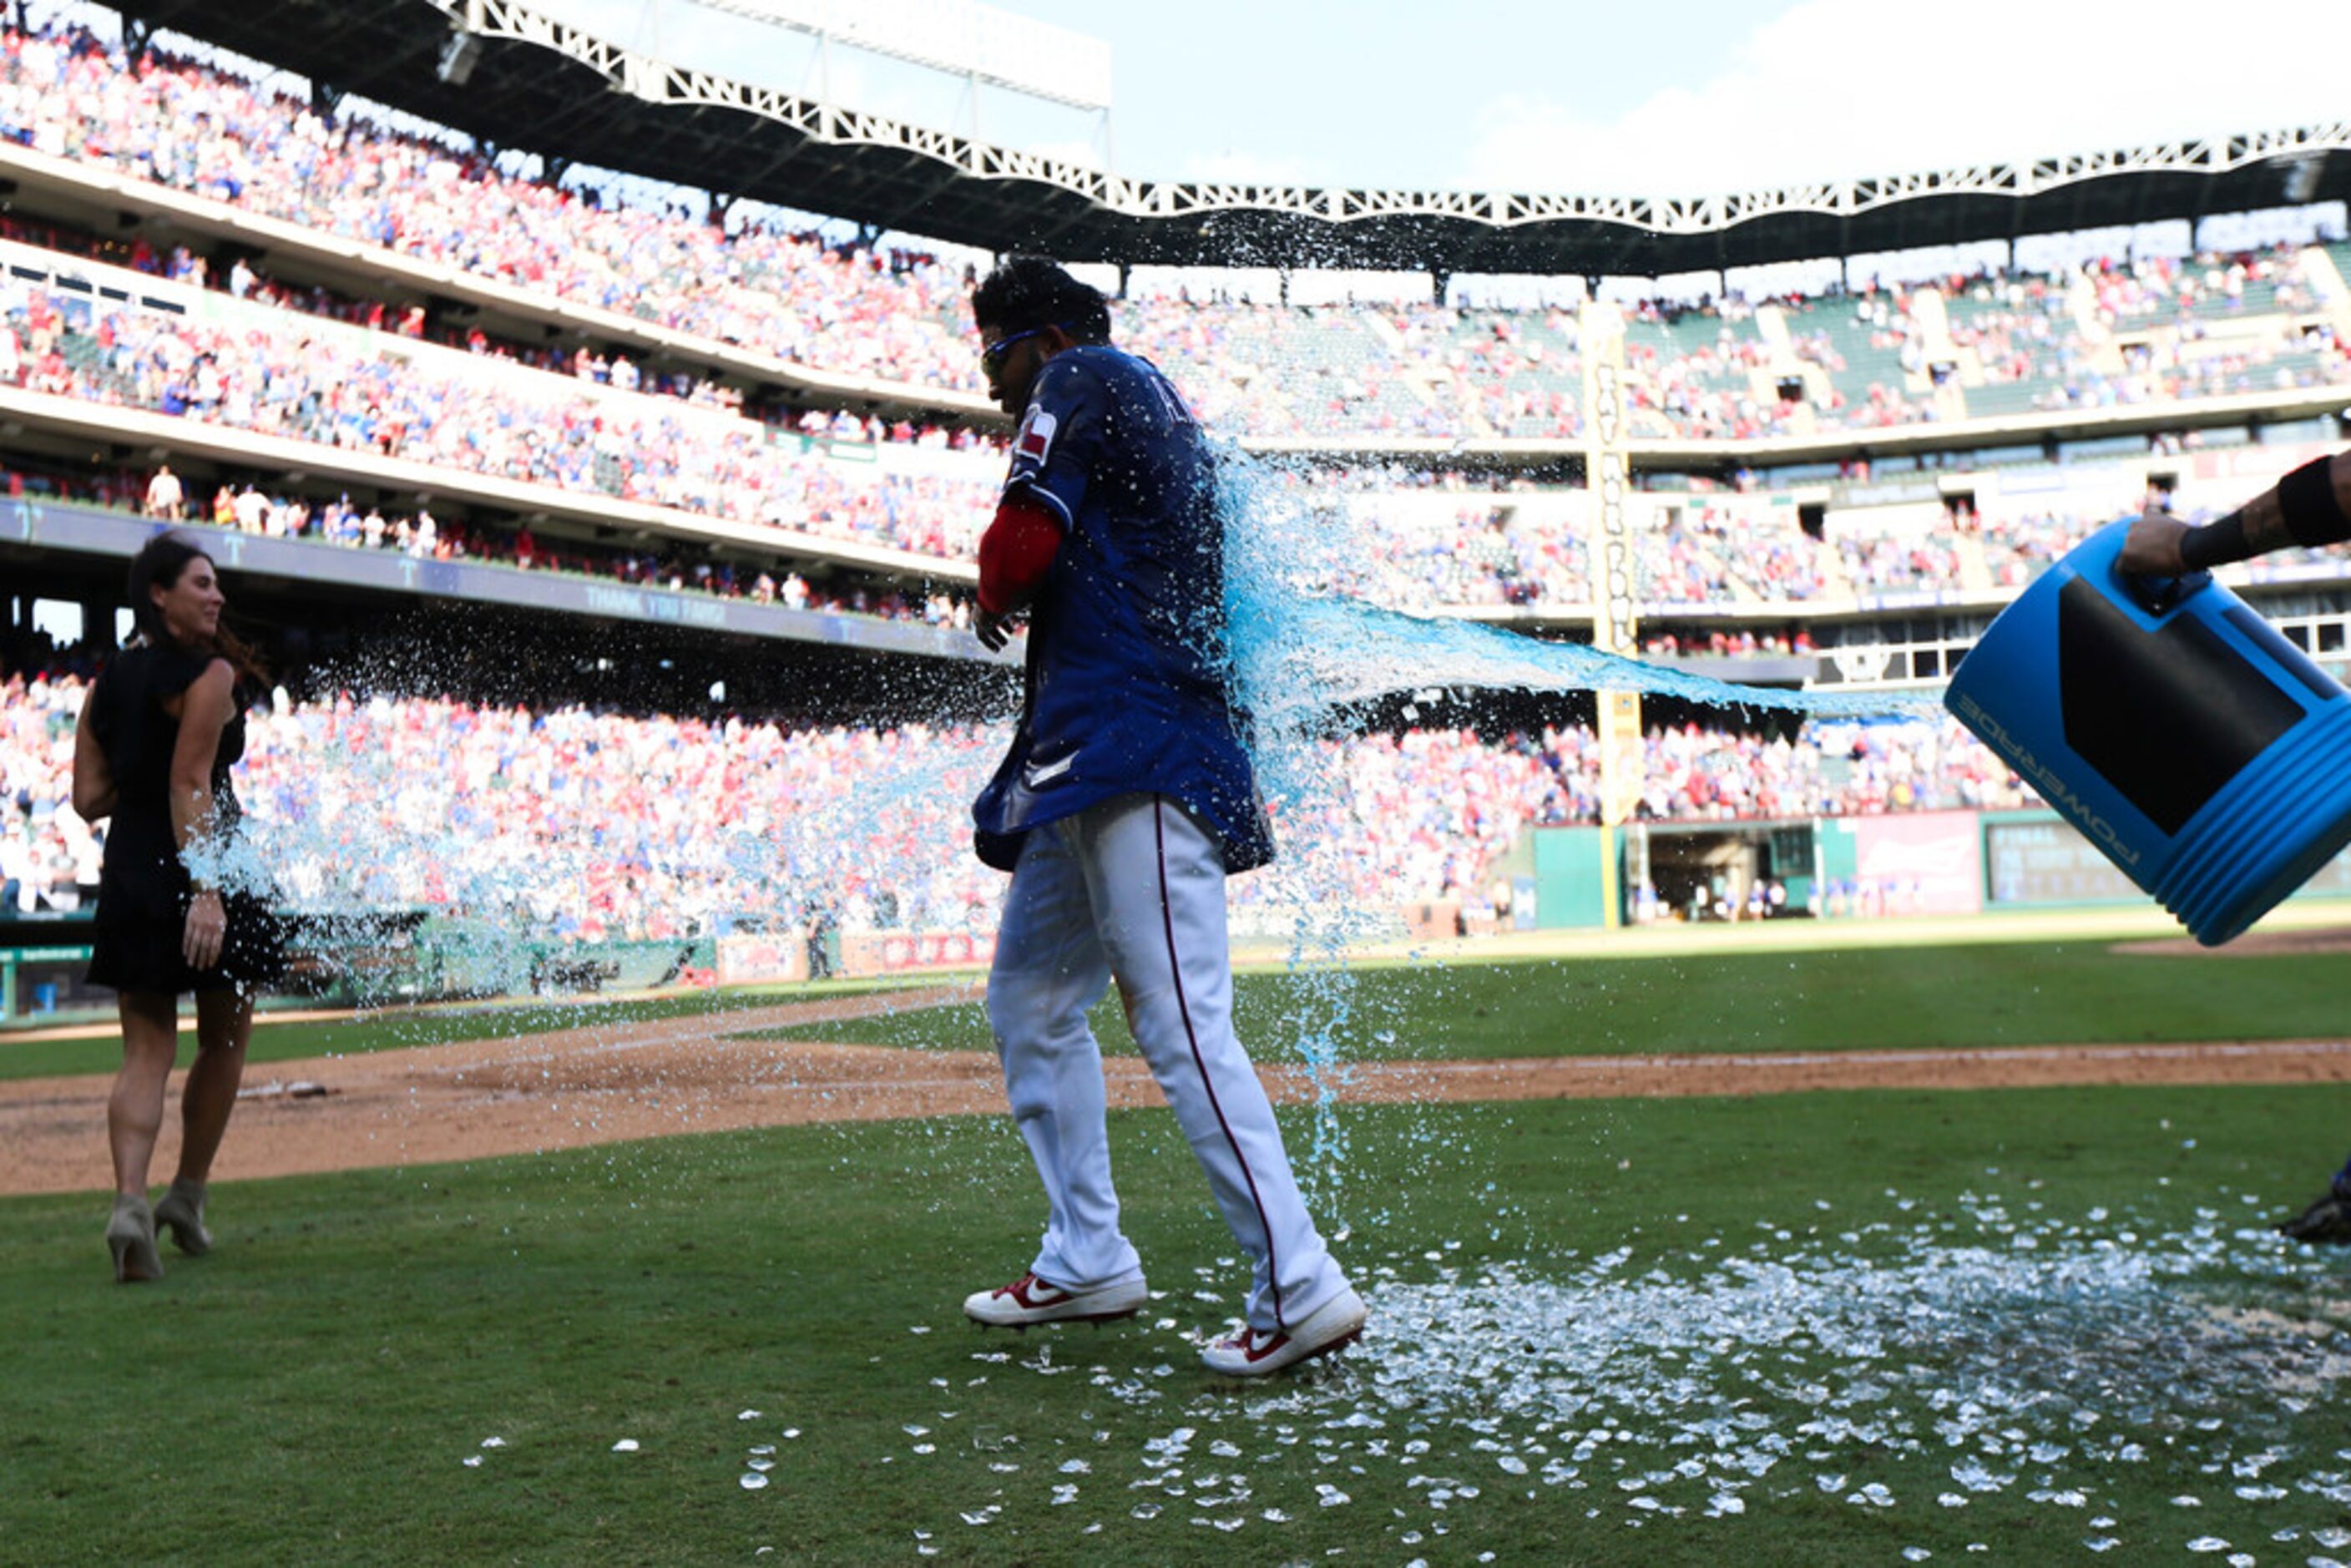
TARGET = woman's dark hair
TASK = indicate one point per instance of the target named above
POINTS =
(1026, 292)
(158, 564)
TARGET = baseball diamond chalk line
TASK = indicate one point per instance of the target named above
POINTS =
(617, 1082)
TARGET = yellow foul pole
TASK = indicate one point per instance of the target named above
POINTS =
(1610, 552)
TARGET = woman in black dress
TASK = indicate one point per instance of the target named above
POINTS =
(159, 728)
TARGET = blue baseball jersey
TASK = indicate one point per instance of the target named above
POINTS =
(1124, 693)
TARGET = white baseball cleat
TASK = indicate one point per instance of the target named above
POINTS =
(1030, 1300)
(1254, 1352)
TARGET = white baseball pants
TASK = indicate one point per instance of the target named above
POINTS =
(1134, 889)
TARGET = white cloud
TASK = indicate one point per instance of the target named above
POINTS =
(1835, 89)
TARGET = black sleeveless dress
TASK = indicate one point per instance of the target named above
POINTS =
(144, 890)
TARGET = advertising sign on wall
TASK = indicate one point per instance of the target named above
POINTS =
(2038, 857)
(898, 952)
(767, 959)
(1923, 863)
(2043, 859)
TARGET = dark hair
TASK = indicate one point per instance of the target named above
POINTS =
(1026, 292)
(159, 564)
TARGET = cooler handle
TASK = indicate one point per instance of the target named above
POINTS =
(2161, 595)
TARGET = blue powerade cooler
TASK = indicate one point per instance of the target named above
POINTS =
(2202, 751)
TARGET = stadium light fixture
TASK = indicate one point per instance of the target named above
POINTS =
(459, 56)
(2301, 176)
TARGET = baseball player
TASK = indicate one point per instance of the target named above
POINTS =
(2310, 505)
(1123, 803)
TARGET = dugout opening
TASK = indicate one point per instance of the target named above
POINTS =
(1694, 872)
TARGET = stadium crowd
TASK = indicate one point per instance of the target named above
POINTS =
(271, 378)
(268, 377)
(2149, 328)
(419, 534)
(1365, 369)
(1412, 816)
(1487, 550)
(579, 823)
(596, 422)
(1508, 548)
(585, 362)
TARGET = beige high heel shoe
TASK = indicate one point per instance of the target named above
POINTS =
(131, 1237)
(183, 1210)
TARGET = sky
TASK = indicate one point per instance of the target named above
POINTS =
(1666, 97)
(1703, 97)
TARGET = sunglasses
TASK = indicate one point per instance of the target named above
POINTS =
(992, 354)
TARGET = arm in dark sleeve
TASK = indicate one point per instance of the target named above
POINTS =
(1062, 437)
(2310, 507)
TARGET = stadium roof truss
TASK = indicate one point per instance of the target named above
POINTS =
(540, 84)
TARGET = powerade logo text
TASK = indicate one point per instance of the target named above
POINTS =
(2052, 789)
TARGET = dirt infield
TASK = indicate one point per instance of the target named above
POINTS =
(610, 1084)
(2285, 942)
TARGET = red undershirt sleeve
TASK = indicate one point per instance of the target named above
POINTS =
(1017, 551)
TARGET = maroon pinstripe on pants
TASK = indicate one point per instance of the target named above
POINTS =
(1175, 969)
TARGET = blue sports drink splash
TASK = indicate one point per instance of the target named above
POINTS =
(1298, 650)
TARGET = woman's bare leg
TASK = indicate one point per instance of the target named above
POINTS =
(224, 1026)
(134, 1111)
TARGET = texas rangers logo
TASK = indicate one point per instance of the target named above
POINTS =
(1035, 442)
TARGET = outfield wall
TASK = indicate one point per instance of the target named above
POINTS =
(1897, 864)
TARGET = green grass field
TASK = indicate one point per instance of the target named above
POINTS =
(398, 1029)
(314, 1389)
(1815, 1329)
(1868, 997)
(1956, 994)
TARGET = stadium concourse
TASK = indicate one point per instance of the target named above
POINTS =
(535, 373)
